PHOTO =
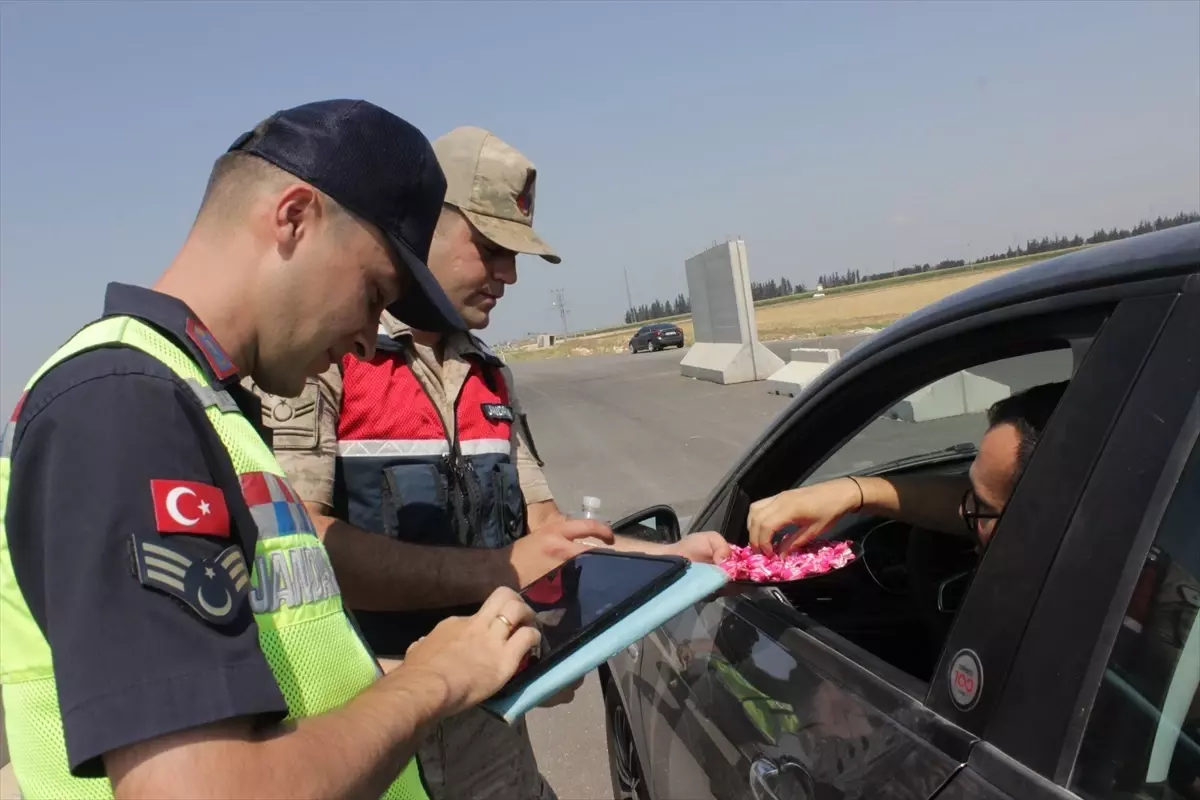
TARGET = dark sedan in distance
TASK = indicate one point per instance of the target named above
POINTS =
(656, 337)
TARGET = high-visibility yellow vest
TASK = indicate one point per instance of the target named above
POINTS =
(317, 657)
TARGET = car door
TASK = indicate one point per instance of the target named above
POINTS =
(771, 701)
(1101, 701)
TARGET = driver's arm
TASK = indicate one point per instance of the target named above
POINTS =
(926, 501)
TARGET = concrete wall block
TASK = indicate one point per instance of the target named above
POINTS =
(816, 355)
(795, 377)
(719, 288)
(727, 363)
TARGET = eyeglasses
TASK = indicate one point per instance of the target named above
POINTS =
(972, 515)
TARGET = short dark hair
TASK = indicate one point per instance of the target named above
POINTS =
(1027, 411)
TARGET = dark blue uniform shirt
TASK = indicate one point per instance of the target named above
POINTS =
(131, 662)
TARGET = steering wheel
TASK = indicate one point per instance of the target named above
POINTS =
(876, 559)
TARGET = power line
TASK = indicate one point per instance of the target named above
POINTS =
(561, 305)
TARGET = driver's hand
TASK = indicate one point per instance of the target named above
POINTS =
(812, 509)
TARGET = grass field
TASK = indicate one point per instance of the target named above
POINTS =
(990, 267)
(872, 305)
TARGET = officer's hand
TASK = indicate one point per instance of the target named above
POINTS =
(812, 509)
(534, 555)
(476, 656)
(708, 547)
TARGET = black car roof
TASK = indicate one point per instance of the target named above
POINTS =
(1167, 252)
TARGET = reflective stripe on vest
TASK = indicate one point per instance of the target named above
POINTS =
(314, 652)
(405, 448)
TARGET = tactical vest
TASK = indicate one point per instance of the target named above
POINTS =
(401, 473)
(317, 657)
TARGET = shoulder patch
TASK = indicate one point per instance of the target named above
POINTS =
(189, 507)
(215, 588)
(295, 422)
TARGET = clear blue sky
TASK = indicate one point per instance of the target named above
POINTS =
(830, 136)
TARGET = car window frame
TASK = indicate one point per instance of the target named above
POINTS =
(1102, 548)
(1001, 335)
(724, 503)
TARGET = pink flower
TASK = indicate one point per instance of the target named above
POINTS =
(816, 558)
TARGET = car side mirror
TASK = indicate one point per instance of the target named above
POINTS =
(655, 524)
(952, 591)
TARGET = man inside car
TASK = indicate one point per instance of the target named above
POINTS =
(968, 504)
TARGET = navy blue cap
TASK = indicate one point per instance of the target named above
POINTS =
(378, 167)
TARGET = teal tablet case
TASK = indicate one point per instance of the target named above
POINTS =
(695, 584)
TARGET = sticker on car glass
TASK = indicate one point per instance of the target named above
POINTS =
(966, 679)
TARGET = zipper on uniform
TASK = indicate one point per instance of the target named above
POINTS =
(460, 487)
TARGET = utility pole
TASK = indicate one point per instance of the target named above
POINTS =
(628, 294)
(561, 305)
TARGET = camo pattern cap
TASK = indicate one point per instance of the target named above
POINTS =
(493, 184)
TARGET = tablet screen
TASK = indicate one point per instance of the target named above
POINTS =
(572, 597)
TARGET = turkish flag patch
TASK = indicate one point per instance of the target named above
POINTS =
(189, 507)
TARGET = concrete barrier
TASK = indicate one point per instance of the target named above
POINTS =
(725, 347)
(729, 363)
(805, 366)
(961, 393)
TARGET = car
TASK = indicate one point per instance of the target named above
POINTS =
(1063, 662)
(656, 337)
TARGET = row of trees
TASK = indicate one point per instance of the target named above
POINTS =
(1032, 247)
(682, 305)
(782, 287)
(659, 309)
(774, 288)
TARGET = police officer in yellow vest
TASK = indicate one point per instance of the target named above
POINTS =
(171, 625)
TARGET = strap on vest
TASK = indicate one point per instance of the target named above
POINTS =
(529, 438)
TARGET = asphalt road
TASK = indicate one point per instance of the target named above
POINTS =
(633, 432)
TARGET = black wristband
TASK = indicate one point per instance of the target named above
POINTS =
(861, 499)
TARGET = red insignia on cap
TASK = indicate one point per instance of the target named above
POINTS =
(218, 360)
(525, 198)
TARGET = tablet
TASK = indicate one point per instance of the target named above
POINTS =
(586, 594)
(697, 583)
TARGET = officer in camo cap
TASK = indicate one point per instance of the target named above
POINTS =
(427, 444)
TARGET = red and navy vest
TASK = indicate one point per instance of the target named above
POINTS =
(402, 474)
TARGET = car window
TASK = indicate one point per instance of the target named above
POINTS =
(1143, 735)
(946, 413)
(896, 609)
